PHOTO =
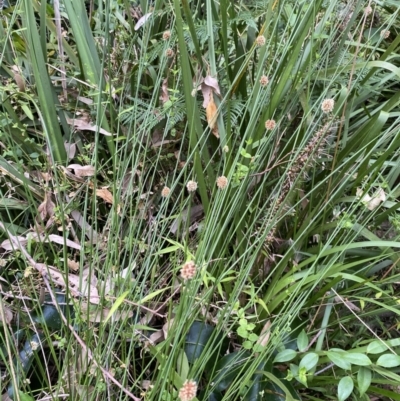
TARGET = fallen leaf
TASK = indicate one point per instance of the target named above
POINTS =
(95, 314)
(372, 202)
(8, 245)
(70, 149)
(7, 314)
(164, 97)
(105, 194)
(83, 125)
(82, 171)
(156, 337)
(73, 265)
(46, 212)
(167, 326)
(142, 20)
(211, 112)
(263, 338)
(213, 83)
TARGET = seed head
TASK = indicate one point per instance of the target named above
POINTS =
(188, 270)
(327, 105)
(169, 53)
(222, 182)
(270, 125)
(191, 186)
(165, 192)
(260, 41)
(166, 35)
(264, 80)
(368, 10)
(385, 34)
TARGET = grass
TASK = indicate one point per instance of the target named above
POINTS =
(199, 200)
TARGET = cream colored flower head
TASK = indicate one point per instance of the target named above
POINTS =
(169, 53)
(385, 34)
(188, 391)
(270, 125)
(188, 270)
(260, 41)
(222, 182)
(191, 186)
(166, 35)
(165, 192)
(368, 10)
(327, 105)
(264, 80)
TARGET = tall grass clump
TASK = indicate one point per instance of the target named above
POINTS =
(199, 200)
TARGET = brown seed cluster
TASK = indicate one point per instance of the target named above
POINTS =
(307, 157)
(188, 390)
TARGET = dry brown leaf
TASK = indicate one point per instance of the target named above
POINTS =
(167, 326)
(7, 314)
(83, 125)
(265, 334)
(372, 202)
(73, 265)
(85, 100)
(95, 314)
(164, 97)
(20, 82)
(82, 171)
(46, 212)
(348, 303)
(86, 227)
(105, 194)
(70, 149)
(8, 245)
(142, 21)
(156, 337)
(58, 239)
(211, 113)
(213, 83)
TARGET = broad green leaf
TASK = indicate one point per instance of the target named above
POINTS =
(364, 377)
(302, 341)
(285, 356)
(116, 305)
(228, 368)
(182, 365)
(24, 396)
(388, 361)
(309, 361)
(376, 347)
(357, 359)
(196, 341)
(345, 388)
(281, 385)
(153, 294)
(168, 249)
(337, 359)
(242, 332)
